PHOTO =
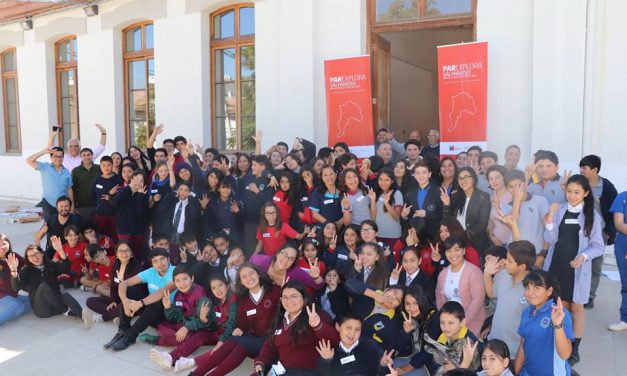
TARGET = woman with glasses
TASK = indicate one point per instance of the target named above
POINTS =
(124, 267)
(298, 328)
(282, 267)
(256, 308)
(471, 207)
(12, 305)
(40, 277)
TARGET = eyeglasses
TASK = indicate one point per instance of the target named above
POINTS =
(367, 230)
(270, 213)
(288, 257)
(124, 250)
(291, 298)
(56, 156)
(465, 177)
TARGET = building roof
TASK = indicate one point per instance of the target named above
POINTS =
(13, 10)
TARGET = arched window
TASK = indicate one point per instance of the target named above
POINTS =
(233, 77)
(139, 82)
(10, 101)
(67, 89)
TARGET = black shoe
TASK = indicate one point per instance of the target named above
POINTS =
(115, 338)
(589, 305)
(122, 344)
(574, 358)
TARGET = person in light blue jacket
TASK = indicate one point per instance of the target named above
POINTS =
(575, 238)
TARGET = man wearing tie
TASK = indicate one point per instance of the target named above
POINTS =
(183, 212)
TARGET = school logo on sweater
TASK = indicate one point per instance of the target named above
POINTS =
(545, 323)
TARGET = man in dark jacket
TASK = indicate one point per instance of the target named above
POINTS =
(180, 212)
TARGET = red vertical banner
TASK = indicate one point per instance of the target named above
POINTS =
(349, 104)
(462, 96)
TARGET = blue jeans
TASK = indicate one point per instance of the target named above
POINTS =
(620, 251)
(12, 308)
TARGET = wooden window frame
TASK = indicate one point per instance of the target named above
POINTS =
(7, 76)
(59, 69)
(236, 42)
(144, 54)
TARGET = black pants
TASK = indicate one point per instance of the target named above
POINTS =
(47, 210)
(50, 302)
(99, 304)
(151, 315)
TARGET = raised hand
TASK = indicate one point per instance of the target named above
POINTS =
(114, 190)
(314, 318)
(567, 175)
(359, 262)
(158, 129)
(372, 195)
(393, 372)
(234, 207)
(557, 313)
(258, 137)
(311, 232)
(204, 201)
(520, 192)
(387, 196)
(435, 252)
(333, 242)
(325, 350)
(411, 238)
(408, 323)
(56, 243)
(166, 299)
(386, 359)
(492, 266)
(469, 350)
(446, 200)
(100, 128)
(183, 254)
(346, 202)
(314, 268)
(141, 189)
(406, 210)
(203, 315)
(13, 262)
(396, 272)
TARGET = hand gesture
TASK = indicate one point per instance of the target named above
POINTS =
(158, 129)
(83, 269)
(166, 299)
(273, 183)
(190, 147)
(204, 201)
(199, 148)
(405, 211)
(420, 213)
(114, 190)
(554, 208)
(314, 318)
(311, 231)
(435, 252)
(253, 188)
(314, 268)
(393, 372)
(386, 359)
(508, 220)
(408, 323)
(204, 312)
(372, 195)
(578, 261)
(258, 137)
(333, 242)
(112, 306)
(386, 251)
(567, 175)
(412, 237)
(446, 200)
(492, 266)
(100, 128)
(346, 202)
(13, 262)
(474, 164)
(181, 334)
(141, 189)
(237, 332)
(183, 254)
(56, 244)
(520, 191)
(234, 207)
(325, 350)
(469, 350)
(396, 272)
(557, 313)
(359, 262)
(386, 197)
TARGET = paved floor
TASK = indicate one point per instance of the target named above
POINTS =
(61, 346)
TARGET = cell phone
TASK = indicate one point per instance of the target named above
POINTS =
(55, 128)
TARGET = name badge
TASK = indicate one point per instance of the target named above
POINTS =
(116, 280)
(178, 304)
(107, 275)
(360, 198)
(304, 199)
(152, 286)
(98, 186)
(278, 332)
(343, 257)
(277, 199)
(251, 312)
(571, 221)
(378, 326)
(347, 359)
(153, 191)
(266, 235)
(218, 314)
(327, 202)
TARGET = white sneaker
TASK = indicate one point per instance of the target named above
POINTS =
(88, 317)
(183, 364)
(163, 359)
(618, 326)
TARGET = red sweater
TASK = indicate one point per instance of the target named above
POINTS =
(302, 354)
(76, 255)
(280, 199)
(256, 318)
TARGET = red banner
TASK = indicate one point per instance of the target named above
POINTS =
(462, 96)
(349, 104)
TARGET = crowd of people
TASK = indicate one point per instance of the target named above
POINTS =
(313, 261)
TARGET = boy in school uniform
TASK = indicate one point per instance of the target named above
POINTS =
(506, 286)
(550, 186)
(355, 354)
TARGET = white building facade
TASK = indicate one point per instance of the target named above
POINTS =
(555, 77)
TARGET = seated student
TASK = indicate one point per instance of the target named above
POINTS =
(550, 185)
(378, 309)
(91, 236)
(125, 266)
(506, 286)
(74, 250)
(333, 299)
(12, 305)
(545, 329)
(409, 274)
(495, 359)
(40, 277)
(98, 277)
(272, 233)
(101, 191)
(462, 282)
(448, 348)
(222, 243)
(188, 251)
(355, 355)
(256, 308)
(188, 320)
(371, 267)
(208, 263)
(296, 335)
(225, 308)
(421, 318)
(149, 309)
(223, 214)
(282, 266)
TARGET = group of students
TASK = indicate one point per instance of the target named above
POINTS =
(310, 262)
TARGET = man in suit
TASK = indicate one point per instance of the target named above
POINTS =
(181, 212)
